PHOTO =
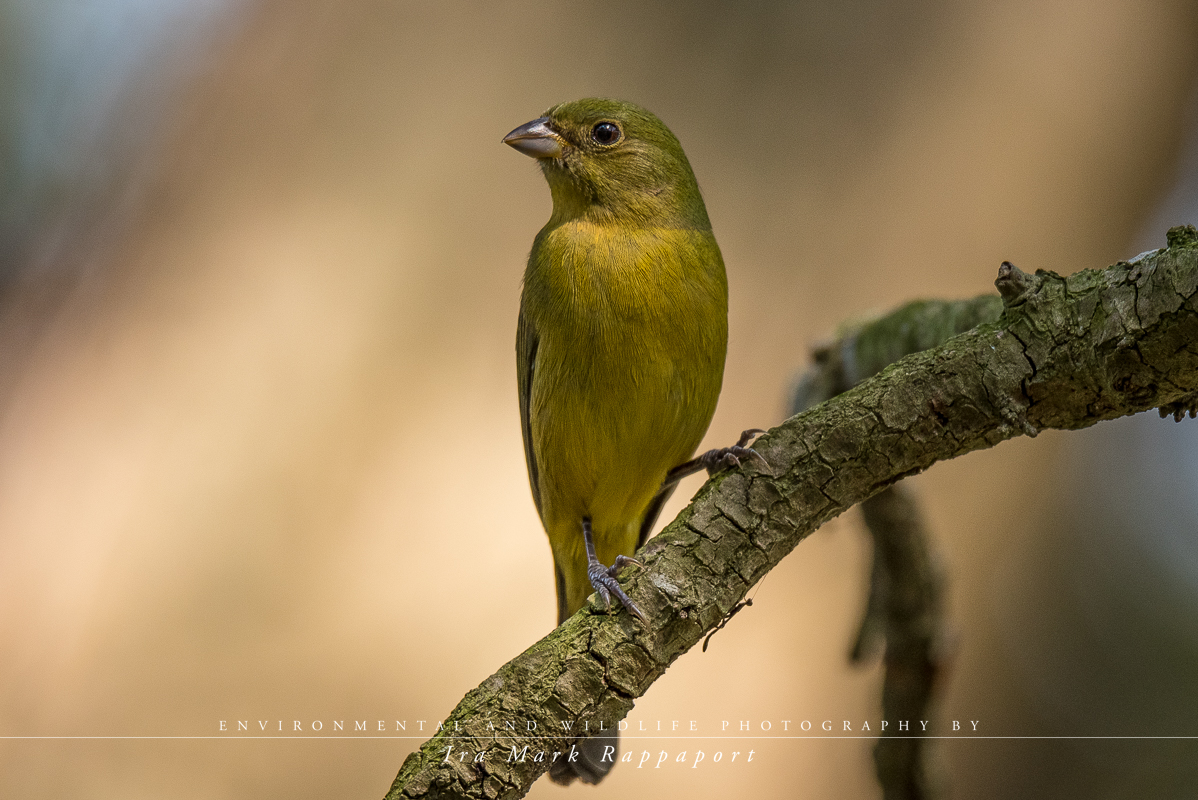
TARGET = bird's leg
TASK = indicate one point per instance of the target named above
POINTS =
(715, 460)
(604, 578)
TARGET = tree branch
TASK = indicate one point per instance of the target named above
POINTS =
(904, 609)
(1066, 353)
(906, 591)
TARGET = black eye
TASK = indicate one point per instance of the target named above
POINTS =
(606, 133)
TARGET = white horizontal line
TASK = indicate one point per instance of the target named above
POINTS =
(623, 736)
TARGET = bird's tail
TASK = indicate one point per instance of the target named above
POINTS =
(595, 758)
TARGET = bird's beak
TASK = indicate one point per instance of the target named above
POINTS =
(536, 139)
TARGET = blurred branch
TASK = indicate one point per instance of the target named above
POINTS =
(903, 611)
(865, 347)
(908, 589)
(1066, 353)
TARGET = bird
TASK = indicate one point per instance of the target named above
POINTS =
(620, 349)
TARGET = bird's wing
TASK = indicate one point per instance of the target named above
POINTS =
(526, 362)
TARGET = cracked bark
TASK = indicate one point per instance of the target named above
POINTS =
(1066, 353)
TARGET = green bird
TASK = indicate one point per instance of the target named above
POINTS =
(620, 349)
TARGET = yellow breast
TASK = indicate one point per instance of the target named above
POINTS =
(632, 332)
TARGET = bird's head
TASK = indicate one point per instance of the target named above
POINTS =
(612, 161)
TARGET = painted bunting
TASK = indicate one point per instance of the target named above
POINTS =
(620, 348)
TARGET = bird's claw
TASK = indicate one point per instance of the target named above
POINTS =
(604, 580)
(621, 562)
(726, 457)
(748, 436)
(715, 460)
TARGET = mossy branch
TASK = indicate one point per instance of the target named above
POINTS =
(1065, 353)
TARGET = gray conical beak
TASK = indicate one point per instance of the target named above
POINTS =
(536, 139)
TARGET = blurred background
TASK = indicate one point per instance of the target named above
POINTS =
(260, 454)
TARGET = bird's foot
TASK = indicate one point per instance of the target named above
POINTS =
(727, 457)
(604, 578)
(719, 459)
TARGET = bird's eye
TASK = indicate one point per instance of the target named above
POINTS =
(606, 133)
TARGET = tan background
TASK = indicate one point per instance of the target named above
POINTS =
(259, 448)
